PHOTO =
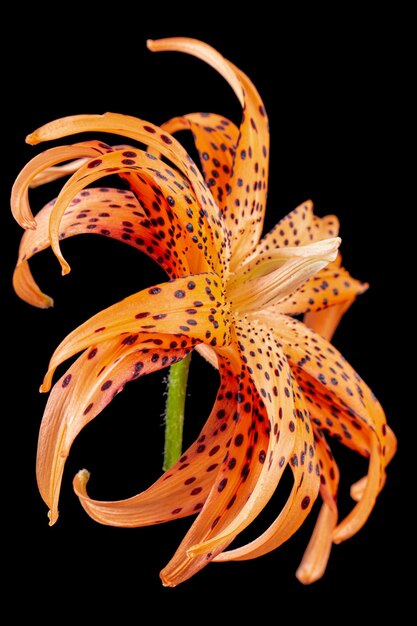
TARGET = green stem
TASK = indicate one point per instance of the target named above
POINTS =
(174, 417)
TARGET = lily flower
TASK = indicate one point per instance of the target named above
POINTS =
(233, 295)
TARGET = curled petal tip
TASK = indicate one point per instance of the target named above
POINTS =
(28, 224)
(150, 43)
(82, 477)
(65, 267)
(337, 538)
(357, 490)
(32, 138)
(53, 516)
(47, 382)
(47, 303)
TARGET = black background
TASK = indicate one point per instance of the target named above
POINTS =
(332, 90)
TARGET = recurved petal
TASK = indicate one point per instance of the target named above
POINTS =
(215, 139)
(55, 172)
(325, 321)
(353, 407)
(114, 213)
(26, 287)
(354, 521)
(190, 306)
(329, 373)
(19, 198)
(326, 414)
(85, 389)
(380, 450)
(259, 451)
(358, 488)
(178, 218)
(305, 467)
(158, 140)
(248, 181)
(183, 489)
(316, 556)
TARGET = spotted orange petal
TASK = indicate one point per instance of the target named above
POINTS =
(355, 404)
(299, 228)
(161, 142)
(183, 489)
(330, 286)
(306, 472)
(114, 213)
(20, 198)
(193, 306)
(85, 389)
(316, 556)
(179, 219)
(260, 449)
(215, 139)
(324, 364)
(248, 181)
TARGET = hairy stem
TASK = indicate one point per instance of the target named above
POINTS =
(174, 416)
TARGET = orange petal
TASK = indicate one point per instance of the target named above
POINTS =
(192, 306)
(327, 320)
(260, 449)
(82, 393)
(358, 488)
(183, 489)
(248, 182)
(360, 513)
(55, 172)
(306, 471)
(330, 374)
(114, 213)
(329, 417)
(215, 139)
(299, 228)
(328, 287)
(316, 556)
(19, 198)
(158, 140)
(26, 288)
(176, 215)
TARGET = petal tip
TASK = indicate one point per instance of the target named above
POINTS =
(48, 302)
(82, 477)
(308, 574)
(53, 516)
(28, 223)
(32, 138)
(304, 576)
(166, 582)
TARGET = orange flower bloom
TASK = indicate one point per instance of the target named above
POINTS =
(232, 296)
